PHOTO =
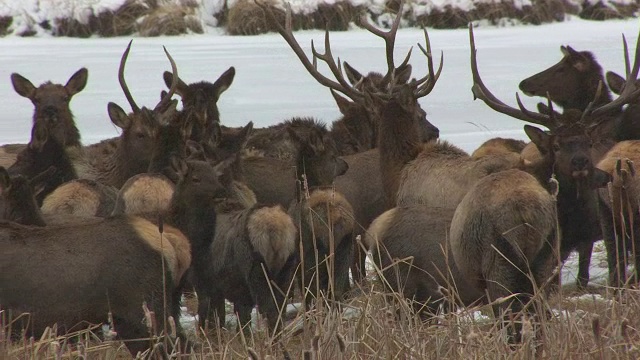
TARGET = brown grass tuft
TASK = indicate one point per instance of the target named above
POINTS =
(170, 20)
(247, 18)
(5, 22)
(600, 11)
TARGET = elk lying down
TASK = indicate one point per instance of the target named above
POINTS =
(81, 197)
(503, 235)
(246, 256)
(619, 211)
(83, 271)
(409, 245)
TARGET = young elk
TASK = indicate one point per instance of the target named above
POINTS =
(199, 105)
(567, 151)
(410, 248)
(244, 255)
(324, 217)
(619, 211)
(51, 102)
(91, 271)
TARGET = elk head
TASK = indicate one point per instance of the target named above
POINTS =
(357, 84)
(51, 104)
(567, 148)
(140, 127)
(17, 197)
(43, 152)
(628, 123)
(571, 83)
(199, 103)
(317, 155)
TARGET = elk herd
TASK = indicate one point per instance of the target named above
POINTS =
(256, 217)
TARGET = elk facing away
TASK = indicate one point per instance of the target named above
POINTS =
(567, 151)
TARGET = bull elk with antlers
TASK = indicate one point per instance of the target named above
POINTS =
(567, 151)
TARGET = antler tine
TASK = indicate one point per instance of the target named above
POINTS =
(587, 111)
(426, 84)
(630, 91)
(552, 113)
(287, 34)
(174, 84)
(388, 36)
(123, 84)
(480, 91)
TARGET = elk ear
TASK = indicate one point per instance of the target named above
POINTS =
(195, 151)
(243, 135)
(600, 178)
(181, 89)
(163, 94)
(180, 167)
(77, 81)
(223, 172)
(186, 129)
(402, 74)
(224, 81)
(615, 82)
(5, 180)
(539, 138)
(343, 104)
(352, 74)
(578, 60)
(118, 117)
(22, 86)
(315, 142)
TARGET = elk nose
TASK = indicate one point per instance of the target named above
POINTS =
(580, 163)
(50, 110)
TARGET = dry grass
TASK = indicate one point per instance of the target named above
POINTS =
(381, 326)
(599, 11)
(542, 11)
(170, 20)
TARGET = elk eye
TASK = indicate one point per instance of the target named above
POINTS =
(140, 135)
(556, 147)
(195, 179)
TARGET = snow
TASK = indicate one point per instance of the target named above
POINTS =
(271, 85)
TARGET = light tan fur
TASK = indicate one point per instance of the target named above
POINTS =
(495, 146)
(73, 198)
(531, 154)
(172, 244)
(378, 228)
(330, 214)
(145, 193)
(624, 150)
(273, 235)
(243, 194)
(442, 174)
(7, 159)
(511, 204)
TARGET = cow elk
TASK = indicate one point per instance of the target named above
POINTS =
(51, 105)
(619, 211)
(88, 271)
(567, 151)
(410, 248)
(246, 256)
(199, 104)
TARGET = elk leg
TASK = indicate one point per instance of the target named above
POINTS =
(343, 259)
(358, 262)
(584, 260)
(243, 312)
(134, 334)
(267, 298)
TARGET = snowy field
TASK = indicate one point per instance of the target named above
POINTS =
(271, 85)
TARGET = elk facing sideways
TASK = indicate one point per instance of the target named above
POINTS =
(84, 271)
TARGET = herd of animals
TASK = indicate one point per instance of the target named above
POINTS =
(240, 214)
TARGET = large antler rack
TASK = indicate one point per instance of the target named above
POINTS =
(480, 91)
(286, 31)
(426, 84)
(630, 91)
(166, 99)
